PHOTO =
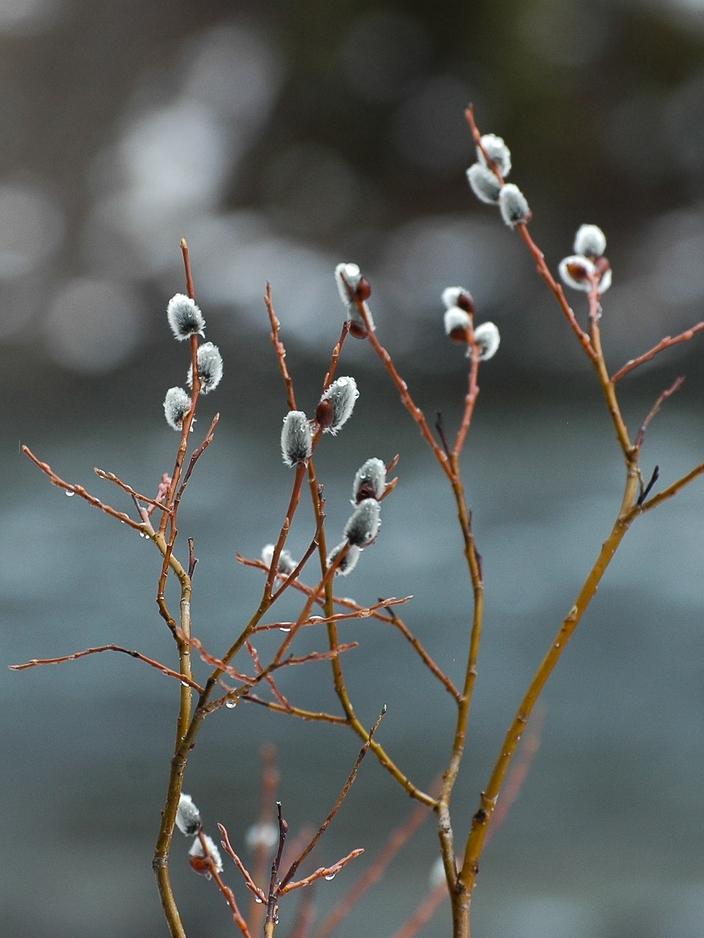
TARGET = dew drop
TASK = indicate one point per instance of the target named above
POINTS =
(557, 644)
(184, 684)
(284, 628)
(330, 877)
(230, 703)
(69, 494)
(258, 900)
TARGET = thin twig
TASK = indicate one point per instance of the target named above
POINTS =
(280, 349)
(116, 480)
(295, 711)
(254, 655)
(225, 890)
(323, 872)
(267, 797)
(396, 840)
(274, 887)
(81, 491)
(674, 387)
(169, 672)
(336, 807)
(246, 876)
(667, 342)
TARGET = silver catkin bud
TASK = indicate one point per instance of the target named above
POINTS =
(363, 524)
(286, 562)
(457, 323)
(488, 339)
(348, 562)
(185, 318)
(177, 403)
(497, 151)
(212, 851)
(483, 183)
(369, 480)
(336, 404)
(352, 285)
(590, 240)
(347, 278)
(513, 205)
(209, 368)
(296, 438)
(457, 296)
(187, 816)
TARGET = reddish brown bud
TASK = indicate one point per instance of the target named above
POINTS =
(363, 290)
(460, 335)
(602, 265)
(324, 414)
(358, 329)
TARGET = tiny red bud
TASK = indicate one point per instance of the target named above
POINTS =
(602, 265)
(324, 414)
(460, 335)
(363, 290)
(201, 865)
(358, 329)
(464, 301)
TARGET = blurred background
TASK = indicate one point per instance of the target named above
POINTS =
(281, 138)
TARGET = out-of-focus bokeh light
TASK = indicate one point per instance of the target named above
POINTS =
(27, 17)
(91, 325)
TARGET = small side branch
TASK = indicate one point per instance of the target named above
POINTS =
(668, 342)
(673, 389)
(169, 672)
(336, 807)
(79, 490)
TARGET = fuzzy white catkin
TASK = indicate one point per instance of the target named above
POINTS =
(348, 562)
(286, 562)
(437, 874)
(341, 395)
(483, 183)
(262, 834)
(369, 480)
(456, 296)
(187, 816)
(456, 318)
(209, 368)
(497, 151)
(577, 271)
(213, 852)
(177, 403)
(513, 205)
(590, 240)
(296, 438)
(185, 318)
(347, 277)
(605, 281)
(363, 524)
(488, 339)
